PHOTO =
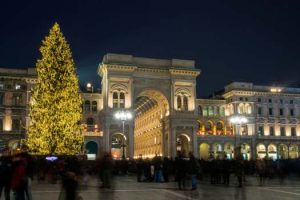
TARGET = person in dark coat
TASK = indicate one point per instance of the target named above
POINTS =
(5, 176)
(193, 169)
(166, 169)
(140, 169)
(180, 168)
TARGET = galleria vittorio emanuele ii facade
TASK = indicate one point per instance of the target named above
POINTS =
(149, 106)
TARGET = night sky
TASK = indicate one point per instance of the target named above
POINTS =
(240, 40)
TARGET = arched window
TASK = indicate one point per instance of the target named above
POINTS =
(90, 124)
(122, 100)
(115, 100)
(179, 103)
(241, 108)
(185, 103)
(220, 128)
(94, 106)
(87, 105)
(199, 110)
(209, 128)
(248, 109)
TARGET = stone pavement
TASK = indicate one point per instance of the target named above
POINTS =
(126, 187)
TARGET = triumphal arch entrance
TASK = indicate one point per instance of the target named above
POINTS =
(156, 101)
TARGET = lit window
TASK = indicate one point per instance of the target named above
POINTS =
(260, 130)
(122, 100)
(1, 86)
(18, 87)
(115, 100)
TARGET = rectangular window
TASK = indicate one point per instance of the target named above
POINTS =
(16, 124)
(291, 101)
(1, 86)
(259, 111)
(260, 130)
(17, 87)
(17, 99)
(292, 112)
(281, 112)
(270, 111)
(293, 131)
(270, 100)
(272, 131)
(282, 131)
(281, 101)
(1, 98)
(258, 99)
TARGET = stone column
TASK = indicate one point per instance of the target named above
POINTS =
(106, 136)
(130, 135)
(172, 146)
(195, 142)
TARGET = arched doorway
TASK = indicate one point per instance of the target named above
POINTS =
(272, 152)
(261, 151)
(118, 146)
(182, 144)
(91, 150)
(293, 151)
(217, 150)
(229, 150)
(204, 151)
(282, 151)
(151, 124)
(246, 151)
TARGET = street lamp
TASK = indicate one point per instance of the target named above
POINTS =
(123, 115)
(238, 121)
(89, 87)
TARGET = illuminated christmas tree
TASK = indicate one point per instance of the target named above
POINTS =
(55, 109)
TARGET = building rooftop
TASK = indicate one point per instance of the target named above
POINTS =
(148, 62)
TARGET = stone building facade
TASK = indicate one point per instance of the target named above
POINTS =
(15, 87)
(167, 117)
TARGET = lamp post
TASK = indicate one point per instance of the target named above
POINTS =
(237, 120)
(123, 115)
(89, 87)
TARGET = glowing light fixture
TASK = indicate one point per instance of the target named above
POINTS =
(238, 120)
(275, 89)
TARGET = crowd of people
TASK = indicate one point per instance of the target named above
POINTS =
(18, 171)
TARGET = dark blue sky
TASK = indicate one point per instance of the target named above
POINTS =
(257, 41)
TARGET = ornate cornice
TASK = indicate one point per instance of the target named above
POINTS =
(257, 93)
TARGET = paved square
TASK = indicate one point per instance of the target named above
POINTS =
(126, 187)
